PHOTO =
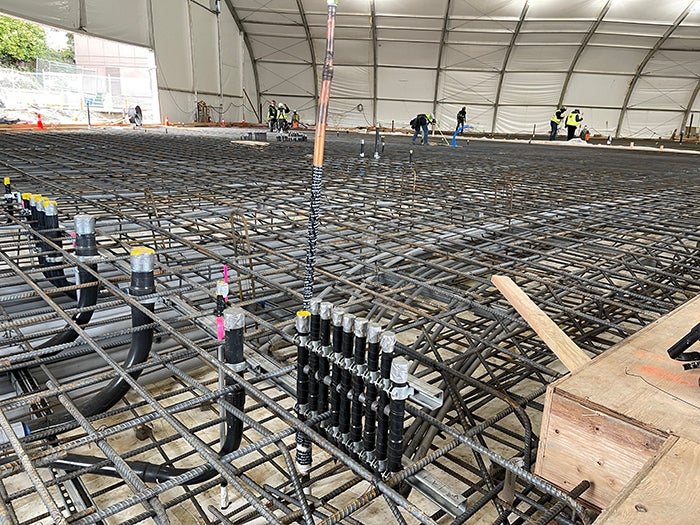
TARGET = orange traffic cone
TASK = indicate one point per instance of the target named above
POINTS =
(167, 122)
(39, 123)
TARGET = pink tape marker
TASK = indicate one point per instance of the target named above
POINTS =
(219, 328)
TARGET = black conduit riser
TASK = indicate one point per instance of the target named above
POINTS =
(142, 283)
(234, 322)
(346, 376)
(323, 363)
(85, 246)
(303, 444)
(358, 386)
(337, 315)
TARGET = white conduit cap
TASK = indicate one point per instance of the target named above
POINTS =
(315, 306)
(348, 321)
(338, 313)
(361, 327)
(399, 371)
(142, 259)
(374, 330)
(51, 208)
(234, 318)
(303, 322)
(326, 310)
(84, 224)
(387, 342)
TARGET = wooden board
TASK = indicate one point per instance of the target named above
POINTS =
(665, 493)
(605, 421)
(637, 380)
(556, 340)
(585, 442)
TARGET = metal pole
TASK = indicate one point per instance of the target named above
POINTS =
(317, 170)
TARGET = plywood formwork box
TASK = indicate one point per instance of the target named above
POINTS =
(629, 422)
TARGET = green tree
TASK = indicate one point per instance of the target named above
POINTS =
(20, 42)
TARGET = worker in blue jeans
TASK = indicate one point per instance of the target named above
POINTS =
(421, 123)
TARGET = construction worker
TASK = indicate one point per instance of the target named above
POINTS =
(282, 110)
(461, 119)
(421, 123)
(272, 115)
(555, 121)
(296, 120)
(572, 122)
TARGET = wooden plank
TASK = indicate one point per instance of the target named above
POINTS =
(558, 342)
(668, 493)
(637, 380)
(583, 442)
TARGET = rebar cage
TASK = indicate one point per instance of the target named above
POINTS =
(604, 242)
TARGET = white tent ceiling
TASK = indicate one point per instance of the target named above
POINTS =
(631, 66)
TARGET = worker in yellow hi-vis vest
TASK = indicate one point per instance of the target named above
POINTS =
(555, 121)
(572, 122)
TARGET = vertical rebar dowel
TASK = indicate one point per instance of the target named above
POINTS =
(362, 148)
(399, 394)
(319, 143)
(314, 346)
(337, 370)
(370, 432)
(325, 352)
(303, 448)
(358, 385)
(346, 376)
(387, 343)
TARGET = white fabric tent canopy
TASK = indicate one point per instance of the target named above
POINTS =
(631, 66)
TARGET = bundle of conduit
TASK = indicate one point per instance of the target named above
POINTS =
(40, 218)
(346, 364)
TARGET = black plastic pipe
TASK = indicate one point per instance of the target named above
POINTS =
(142, 283)
(325, 351)
(85, 247)
(387, 343)
(337, 316)
(399, 394)
(358, 385)
(346, 376)
(234, 325)
(303, 444)
(315, 345)
(369, 436)
(9, 199)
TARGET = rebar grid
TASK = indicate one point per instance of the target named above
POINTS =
(604, 242)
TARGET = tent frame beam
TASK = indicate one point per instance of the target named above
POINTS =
(643, 64)
(506, 59)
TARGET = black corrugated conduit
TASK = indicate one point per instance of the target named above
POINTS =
(234, 325)
(387, 343)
